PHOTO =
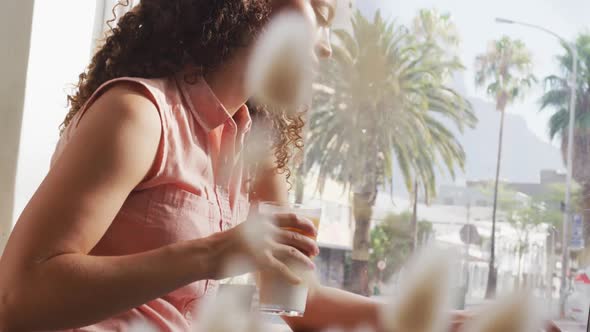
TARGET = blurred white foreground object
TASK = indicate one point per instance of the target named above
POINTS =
(141, 326)
(361, 328)
(277, 295)
(424, 301)
(514, 313)
(281, 69)
(226, 313)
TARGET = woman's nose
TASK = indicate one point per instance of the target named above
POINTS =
(324, 50)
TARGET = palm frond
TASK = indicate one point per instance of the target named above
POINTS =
(390, 107)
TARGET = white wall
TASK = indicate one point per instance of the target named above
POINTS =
(15, 32)
(60, 49)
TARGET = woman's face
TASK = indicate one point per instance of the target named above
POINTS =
(324, 14)
(321, 12)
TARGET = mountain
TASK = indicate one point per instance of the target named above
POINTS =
(523, 157)
(524, 154)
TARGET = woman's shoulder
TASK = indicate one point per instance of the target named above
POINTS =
(120, 107)
(133, 99)
(129, 101)
(143, 88)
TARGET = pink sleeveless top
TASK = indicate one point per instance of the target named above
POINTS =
(196, 190)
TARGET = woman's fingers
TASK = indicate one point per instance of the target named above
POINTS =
(458, 319)
(282, 269)
(276, 248)
(292, 256)
(456, 326)
(299, 241)
(551, 327)
(290, 220)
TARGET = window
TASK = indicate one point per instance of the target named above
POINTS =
(54, 65)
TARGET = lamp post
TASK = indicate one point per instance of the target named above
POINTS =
(552, 231)
(570, 151)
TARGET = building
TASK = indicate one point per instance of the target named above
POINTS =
(335, 242)
(549, 179)
(335, 231)
(448, 220)
(454, 207)
(462, 196)
(457, 206)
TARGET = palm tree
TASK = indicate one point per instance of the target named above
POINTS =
(437, 32)
(505, 72)
(438, 29)
(385, 103)
(556, 98)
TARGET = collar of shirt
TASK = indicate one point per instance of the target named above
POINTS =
(226, 134)
(206, 107)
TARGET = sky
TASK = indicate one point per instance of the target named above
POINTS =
(475, 20)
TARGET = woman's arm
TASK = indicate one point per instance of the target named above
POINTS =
(47, 278)
(333, 308)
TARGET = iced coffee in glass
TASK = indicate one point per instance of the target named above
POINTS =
(277, 295)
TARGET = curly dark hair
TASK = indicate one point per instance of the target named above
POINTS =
(158, 38)
(283, 133)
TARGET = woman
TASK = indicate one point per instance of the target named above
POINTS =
(144, 199)
(145, 193)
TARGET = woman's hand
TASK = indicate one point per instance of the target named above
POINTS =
(267, 244)
(551, 327)
(459, 317)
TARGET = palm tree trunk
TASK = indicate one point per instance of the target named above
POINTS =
(362, 205)
(518, 276)
(415, 218)
(492, 273)
(585, 204)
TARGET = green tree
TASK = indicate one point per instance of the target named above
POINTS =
(430, 26)
(556, 99)
(525, 214)
(505, 72)
(507, 199)
(525, 220)
(552, 198)
(385, 102)
(391, 242)
(436, 32)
